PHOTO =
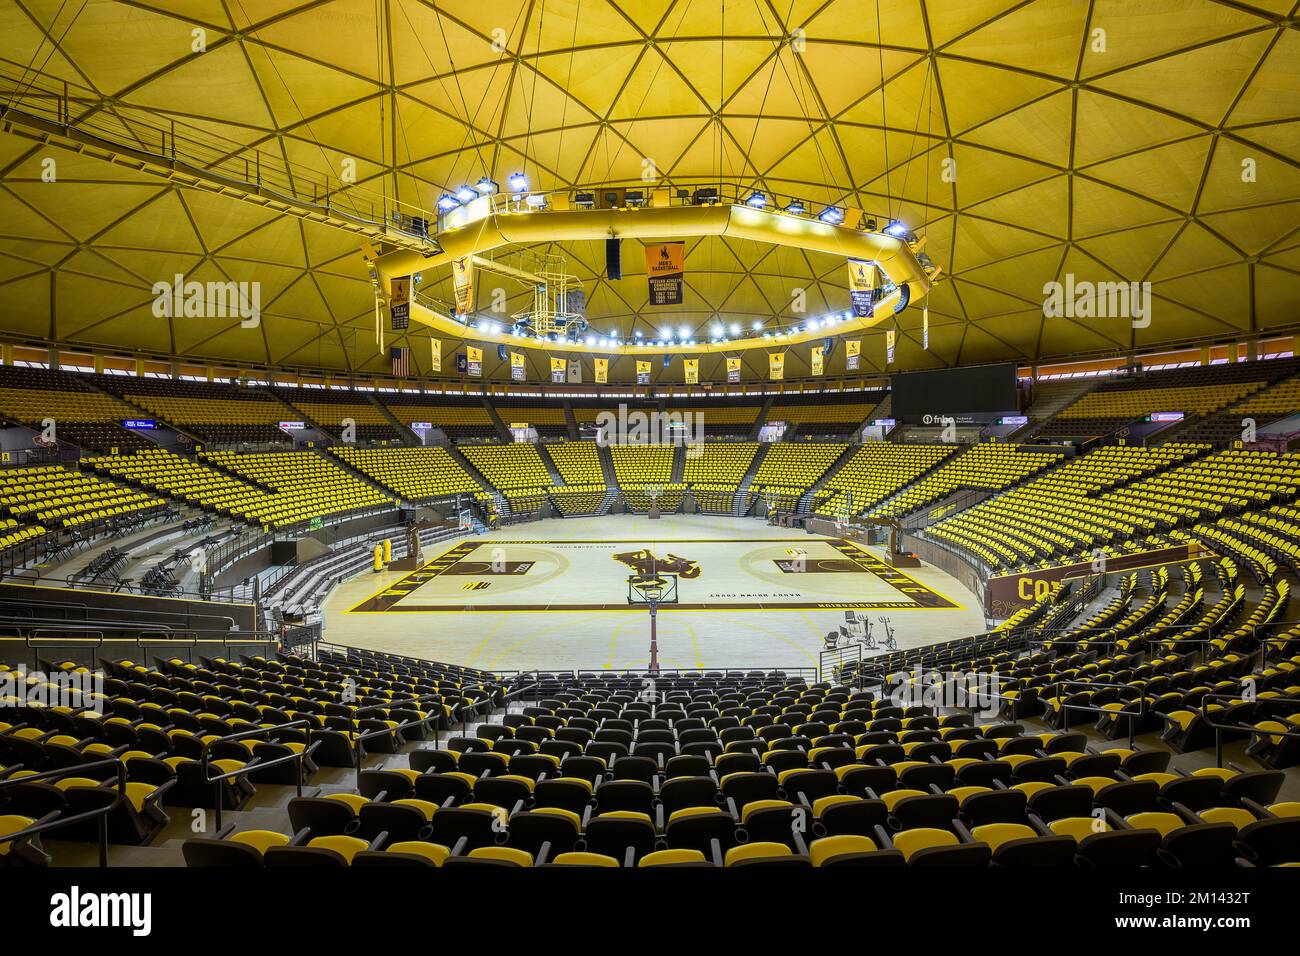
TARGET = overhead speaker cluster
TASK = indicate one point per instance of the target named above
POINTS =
(613, 259)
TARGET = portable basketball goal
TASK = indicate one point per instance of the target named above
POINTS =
(651, 590)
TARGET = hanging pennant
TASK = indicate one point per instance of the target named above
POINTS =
(435, 355)
(818, 360)
(473, 361)
(517, 367)
(733, 370)
(852, 354)
(642, 373)
(890, 335)
(602, 371)
(692, 367)
(557, 370)
(862, 287)
(925, 327)
(776, 366)
(399, 303)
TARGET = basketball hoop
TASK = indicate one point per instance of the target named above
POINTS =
(651, 590)
(654, 491)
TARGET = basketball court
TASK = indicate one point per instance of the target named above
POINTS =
(555, 594)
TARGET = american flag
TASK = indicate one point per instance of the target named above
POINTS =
(401, 361)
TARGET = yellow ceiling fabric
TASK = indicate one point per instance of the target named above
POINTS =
(1109, 141)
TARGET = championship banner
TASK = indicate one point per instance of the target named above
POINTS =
(665, 266)
(862, 285)
(399, 303)
(462, 280)
(642, 373)
(517, 366)
(602, 371)
(890, 336)
(575, 372)
(435, 355)
(692, 367)
(852, 354)
(925, 328)
(733, 370)
(474, 361)
(818, 360)
(557, 370)
(776, 366)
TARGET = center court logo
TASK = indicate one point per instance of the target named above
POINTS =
(645, 562)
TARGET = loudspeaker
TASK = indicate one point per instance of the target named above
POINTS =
(613, 259)
(827, 345)
(501, 352)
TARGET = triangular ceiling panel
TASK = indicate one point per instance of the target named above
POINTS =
(1018, 140)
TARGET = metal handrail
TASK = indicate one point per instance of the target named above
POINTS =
(359, 739)
(1142, 711)
(1239, 728)
(101, 812)
(205, 756)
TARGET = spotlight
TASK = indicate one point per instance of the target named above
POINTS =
(717, 328)
(518, 182)
(466, 194)
(536, 200)
(684, 331)
(757, 200)
(665, 333)
(832, 215)
(447, 202)
(735, 328)
(485, 186)
(796, 208)
(896, 229)
(758, 324)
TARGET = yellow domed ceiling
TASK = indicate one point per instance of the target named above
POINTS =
(1025, 140)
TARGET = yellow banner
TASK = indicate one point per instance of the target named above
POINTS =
(557, 369)
(517, 366)
(818, 360)
(852, 354)
(642, 373)
(733, 370)
(925, 328)
(473, 361)
(435, 355)
(776, 366)
(462, 280)
(890, 336)
(692, 367)
(602, 371)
